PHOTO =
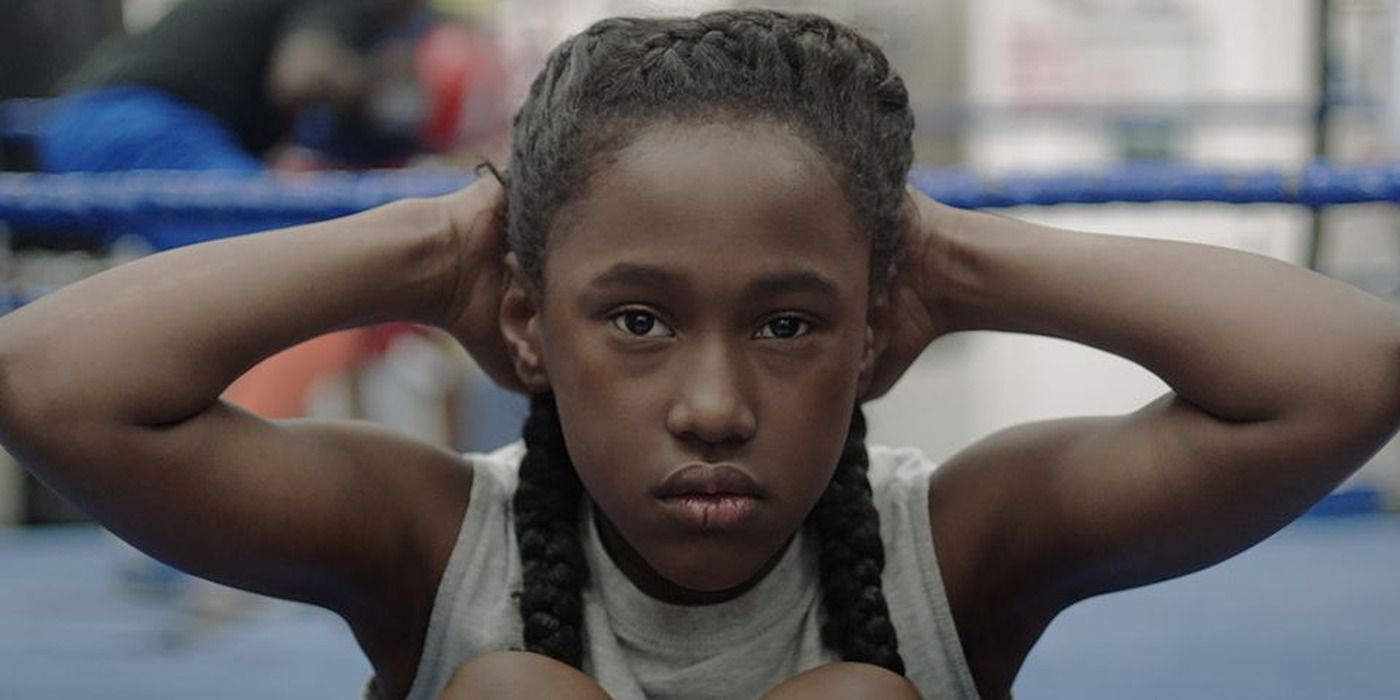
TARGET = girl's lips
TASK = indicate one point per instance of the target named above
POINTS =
(709, 497)
(710, 511)
(706, 479)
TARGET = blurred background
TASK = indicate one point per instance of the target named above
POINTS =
(1002, 88)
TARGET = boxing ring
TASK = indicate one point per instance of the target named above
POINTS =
(1312, 612)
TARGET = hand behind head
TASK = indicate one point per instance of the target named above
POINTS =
(908, 315)
(477, 220)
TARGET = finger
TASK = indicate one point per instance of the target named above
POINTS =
(880, 384)
(887, 372)
(905, 344)
(478, 211)
(501, 370)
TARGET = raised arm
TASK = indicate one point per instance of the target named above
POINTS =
(1283, 383)
(109, 392)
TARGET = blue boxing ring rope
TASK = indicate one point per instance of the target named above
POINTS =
(125, 200)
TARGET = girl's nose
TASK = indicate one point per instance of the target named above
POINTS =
(712, 402)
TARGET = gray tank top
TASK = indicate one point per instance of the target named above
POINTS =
(638, 647)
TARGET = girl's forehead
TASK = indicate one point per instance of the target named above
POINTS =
(677, 163)
(711, 199)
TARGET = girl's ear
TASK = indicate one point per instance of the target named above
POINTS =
(520, 326)
(877, 338)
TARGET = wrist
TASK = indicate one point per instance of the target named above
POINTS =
(449, 240)
(471, 241)
(407, 261)
(946, 265)
(991, 272)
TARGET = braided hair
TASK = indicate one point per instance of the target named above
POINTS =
(804, 72)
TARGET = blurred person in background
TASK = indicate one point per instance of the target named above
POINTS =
(227, 84)
(216, 84)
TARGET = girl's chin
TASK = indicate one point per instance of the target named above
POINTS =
(689, 571)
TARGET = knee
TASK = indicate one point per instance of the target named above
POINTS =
(845, 681)
(522, 675)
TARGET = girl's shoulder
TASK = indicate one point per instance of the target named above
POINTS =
(498, 469)
(900, 479)
(898, 467)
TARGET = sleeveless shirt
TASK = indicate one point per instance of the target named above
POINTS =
(637, 647)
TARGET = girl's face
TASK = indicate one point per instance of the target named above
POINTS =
(704, 327)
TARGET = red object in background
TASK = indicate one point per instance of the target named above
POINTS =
(461, 72)
(277, 387)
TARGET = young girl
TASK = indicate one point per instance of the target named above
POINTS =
(704, 259)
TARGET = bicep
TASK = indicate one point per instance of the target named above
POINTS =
(317, 511)
(1065, 509)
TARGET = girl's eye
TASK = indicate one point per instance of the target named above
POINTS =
(642, 324)
(784, 328)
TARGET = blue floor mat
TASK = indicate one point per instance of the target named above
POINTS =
(1312, 613)
(74, 627)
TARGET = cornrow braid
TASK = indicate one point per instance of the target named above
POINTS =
(857, 620)
(600, 88)
(554, 570)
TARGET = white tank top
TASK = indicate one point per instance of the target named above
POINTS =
(638, 647)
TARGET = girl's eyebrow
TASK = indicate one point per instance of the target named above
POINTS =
(797, 282)
(634, 275)
(801, 282)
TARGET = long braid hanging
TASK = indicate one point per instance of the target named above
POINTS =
(554, 570)
(852, 557)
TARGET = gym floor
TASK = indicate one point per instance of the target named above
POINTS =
(1312, 613)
